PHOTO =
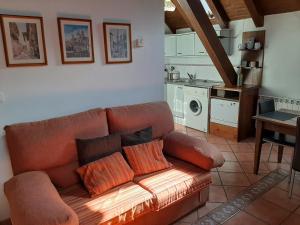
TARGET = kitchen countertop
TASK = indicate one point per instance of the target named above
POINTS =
(194, 83)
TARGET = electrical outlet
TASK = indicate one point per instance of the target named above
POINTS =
(2, 97)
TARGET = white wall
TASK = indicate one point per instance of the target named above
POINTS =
(42, 92)
(282, 53)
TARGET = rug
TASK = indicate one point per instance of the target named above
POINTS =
(227, 210)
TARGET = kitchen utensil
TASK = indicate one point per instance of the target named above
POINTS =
(242, 46)
(257, 45)
(174, 75)
(253, 64)
(250, 43)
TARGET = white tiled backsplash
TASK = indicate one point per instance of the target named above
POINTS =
(284, 103)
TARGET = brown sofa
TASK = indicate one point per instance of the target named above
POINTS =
(46, 190)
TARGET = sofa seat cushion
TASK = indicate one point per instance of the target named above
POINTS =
(175, 183)
(117, 206)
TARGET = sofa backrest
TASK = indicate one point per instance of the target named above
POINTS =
(49, 145)
(132, 118)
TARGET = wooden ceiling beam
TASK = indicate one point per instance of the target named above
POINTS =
(257, 18)
(219, 12)
(167, 22)
(193, 11)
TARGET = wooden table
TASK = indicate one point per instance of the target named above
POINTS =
(263, 122)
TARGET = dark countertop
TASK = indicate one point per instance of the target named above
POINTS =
(194, 83)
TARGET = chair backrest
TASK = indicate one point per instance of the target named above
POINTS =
(296, 159)
(266, 106)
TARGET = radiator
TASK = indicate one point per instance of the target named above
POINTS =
(284, 103)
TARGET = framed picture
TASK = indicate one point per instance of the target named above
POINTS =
(76, 40)
(117, 42)
(23, 40)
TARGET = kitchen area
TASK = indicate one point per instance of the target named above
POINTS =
(196, 93)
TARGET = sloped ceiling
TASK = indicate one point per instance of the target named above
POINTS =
(236, 9)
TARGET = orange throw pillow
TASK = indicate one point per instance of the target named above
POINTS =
(147, 158)
(105, 173)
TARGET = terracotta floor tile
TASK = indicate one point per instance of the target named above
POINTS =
(248, 167)
(267, 211)
(229, 156)
(191, 218)
(233, 191)
(253, 178)
(245, 219)
(234, 179)
(223, 147)
(230, 167)
(217, 194)
(245, 157)
(284, 185)
(242, 148)
(207, 208)
(294, 219)
(216, 140)
(215, 178)
(193, 132)
(274, 166)
(281, 198)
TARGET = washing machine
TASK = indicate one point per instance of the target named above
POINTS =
(196, 103)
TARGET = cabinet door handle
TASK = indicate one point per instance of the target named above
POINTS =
(179, 53)
(179, 87)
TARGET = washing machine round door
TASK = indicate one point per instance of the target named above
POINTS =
(195, 107)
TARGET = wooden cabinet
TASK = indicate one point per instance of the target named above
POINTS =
(170, 45)
(186, 44)
(199, 47)
(232, 110)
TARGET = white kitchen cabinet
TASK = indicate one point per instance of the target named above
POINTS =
(170, 45)
(189, 44)
(224, 112)
(186, 44)
(199, 47)
(175, 99)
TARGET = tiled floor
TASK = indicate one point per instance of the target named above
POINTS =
(273, 207)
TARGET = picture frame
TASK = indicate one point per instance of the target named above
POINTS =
(76, 40)
(23, 40)
(117, 42)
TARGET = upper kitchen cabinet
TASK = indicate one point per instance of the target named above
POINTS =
(199, 47)
(170, 45)
(189, 44)
(186, 44)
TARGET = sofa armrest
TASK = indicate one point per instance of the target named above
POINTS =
(33, 200)
(193, 150)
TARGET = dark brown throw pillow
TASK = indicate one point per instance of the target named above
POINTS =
(90, 150)
(138, 137)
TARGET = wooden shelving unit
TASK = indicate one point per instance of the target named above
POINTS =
(253, 75)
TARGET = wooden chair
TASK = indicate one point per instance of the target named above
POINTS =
(296, 159)
(272, 137)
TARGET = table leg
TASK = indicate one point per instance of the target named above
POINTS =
(258, 145)
(280, 153)
(280, 148)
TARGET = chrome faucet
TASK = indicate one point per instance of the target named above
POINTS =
(192, 76)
